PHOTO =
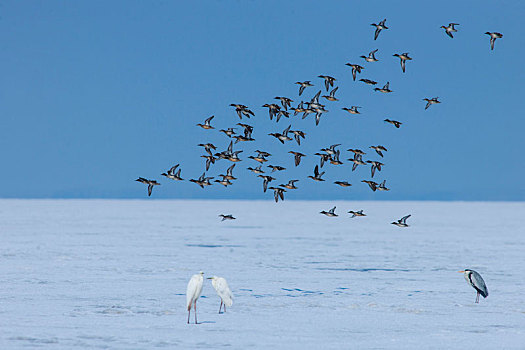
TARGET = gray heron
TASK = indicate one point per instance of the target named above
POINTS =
(477, 282)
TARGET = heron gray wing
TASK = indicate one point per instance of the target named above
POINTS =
(478, 283)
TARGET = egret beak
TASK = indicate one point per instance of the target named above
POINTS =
(461, 271)
(209, 278)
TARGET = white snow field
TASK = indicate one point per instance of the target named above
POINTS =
(112, 274)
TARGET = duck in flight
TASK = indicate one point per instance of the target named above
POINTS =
(290, 185)
(328, 81)
(207, 124)
(229, 173)
(342, 183)
(357, 160)
(284, 136)
(401, 222)
(256, 170)
(355, 69)
(356, 213)
(493, 37)
(403, 57)
(303, 85)
(285, 101)
(385, 89)
(278, 193)
(298, 134)
(297, 157)
(266, 179)
(371, 184)
(331, 96)
(227, 217)
(150, 184)
(352, 110)
(368, 81)
(379, 28)
(371, 56)
(202, 180)
(173, 173)
(317, 176)
(394, 123)
(375, 165)
(379, 149)
(431, 101)
(331, 213)
(242, 110)
(450, 29)
(228, 132)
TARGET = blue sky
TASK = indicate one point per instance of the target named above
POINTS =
(95, 94)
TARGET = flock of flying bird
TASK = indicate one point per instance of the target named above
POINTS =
(326, 155)
(329, 155)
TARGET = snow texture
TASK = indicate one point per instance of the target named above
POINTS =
(110, 274)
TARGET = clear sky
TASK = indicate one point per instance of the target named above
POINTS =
(94, 94)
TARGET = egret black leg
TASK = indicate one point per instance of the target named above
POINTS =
(225, 307)
(189, 310)
(220, 307)
(195, 308)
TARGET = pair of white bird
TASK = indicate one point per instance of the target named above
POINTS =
(193, 292)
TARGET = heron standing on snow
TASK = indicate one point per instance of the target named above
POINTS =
(193, 292)
(476, 281)
(223, 291)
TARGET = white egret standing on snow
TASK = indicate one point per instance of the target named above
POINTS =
(223, 290)
(476, 281)
(193, 293)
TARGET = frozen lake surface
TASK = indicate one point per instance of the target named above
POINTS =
(107, 274)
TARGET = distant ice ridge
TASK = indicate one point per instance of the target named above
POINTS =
(113, 274)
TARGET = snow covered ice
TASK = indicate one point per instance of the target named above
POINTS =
(112, 274)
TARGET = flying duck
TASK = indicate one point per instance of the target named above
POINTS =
(379, 27)
(171, 174)
(371, 56)
(303, 86)
(290, 185)
(355, 69)
(401, 222)
(297, 157)
(356, 213)
(207, 124)
(368, 81)
(394, 123)
(317, 176)
(227, 217)
(331, 96)
(342, 183)
(331, 213)
(450, 29)
(150, 184)
(493, 37)
(385, 88)
(379, 149)
(266, 179)
(431, 101)
(278, 193)
(403, 57)
(328, 81)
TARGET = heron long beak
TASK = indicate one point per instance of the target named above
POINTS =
(461, 271)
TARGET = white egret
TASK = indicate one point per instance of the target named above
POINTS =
(193, 293)
(223, 291)
(476, 281)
